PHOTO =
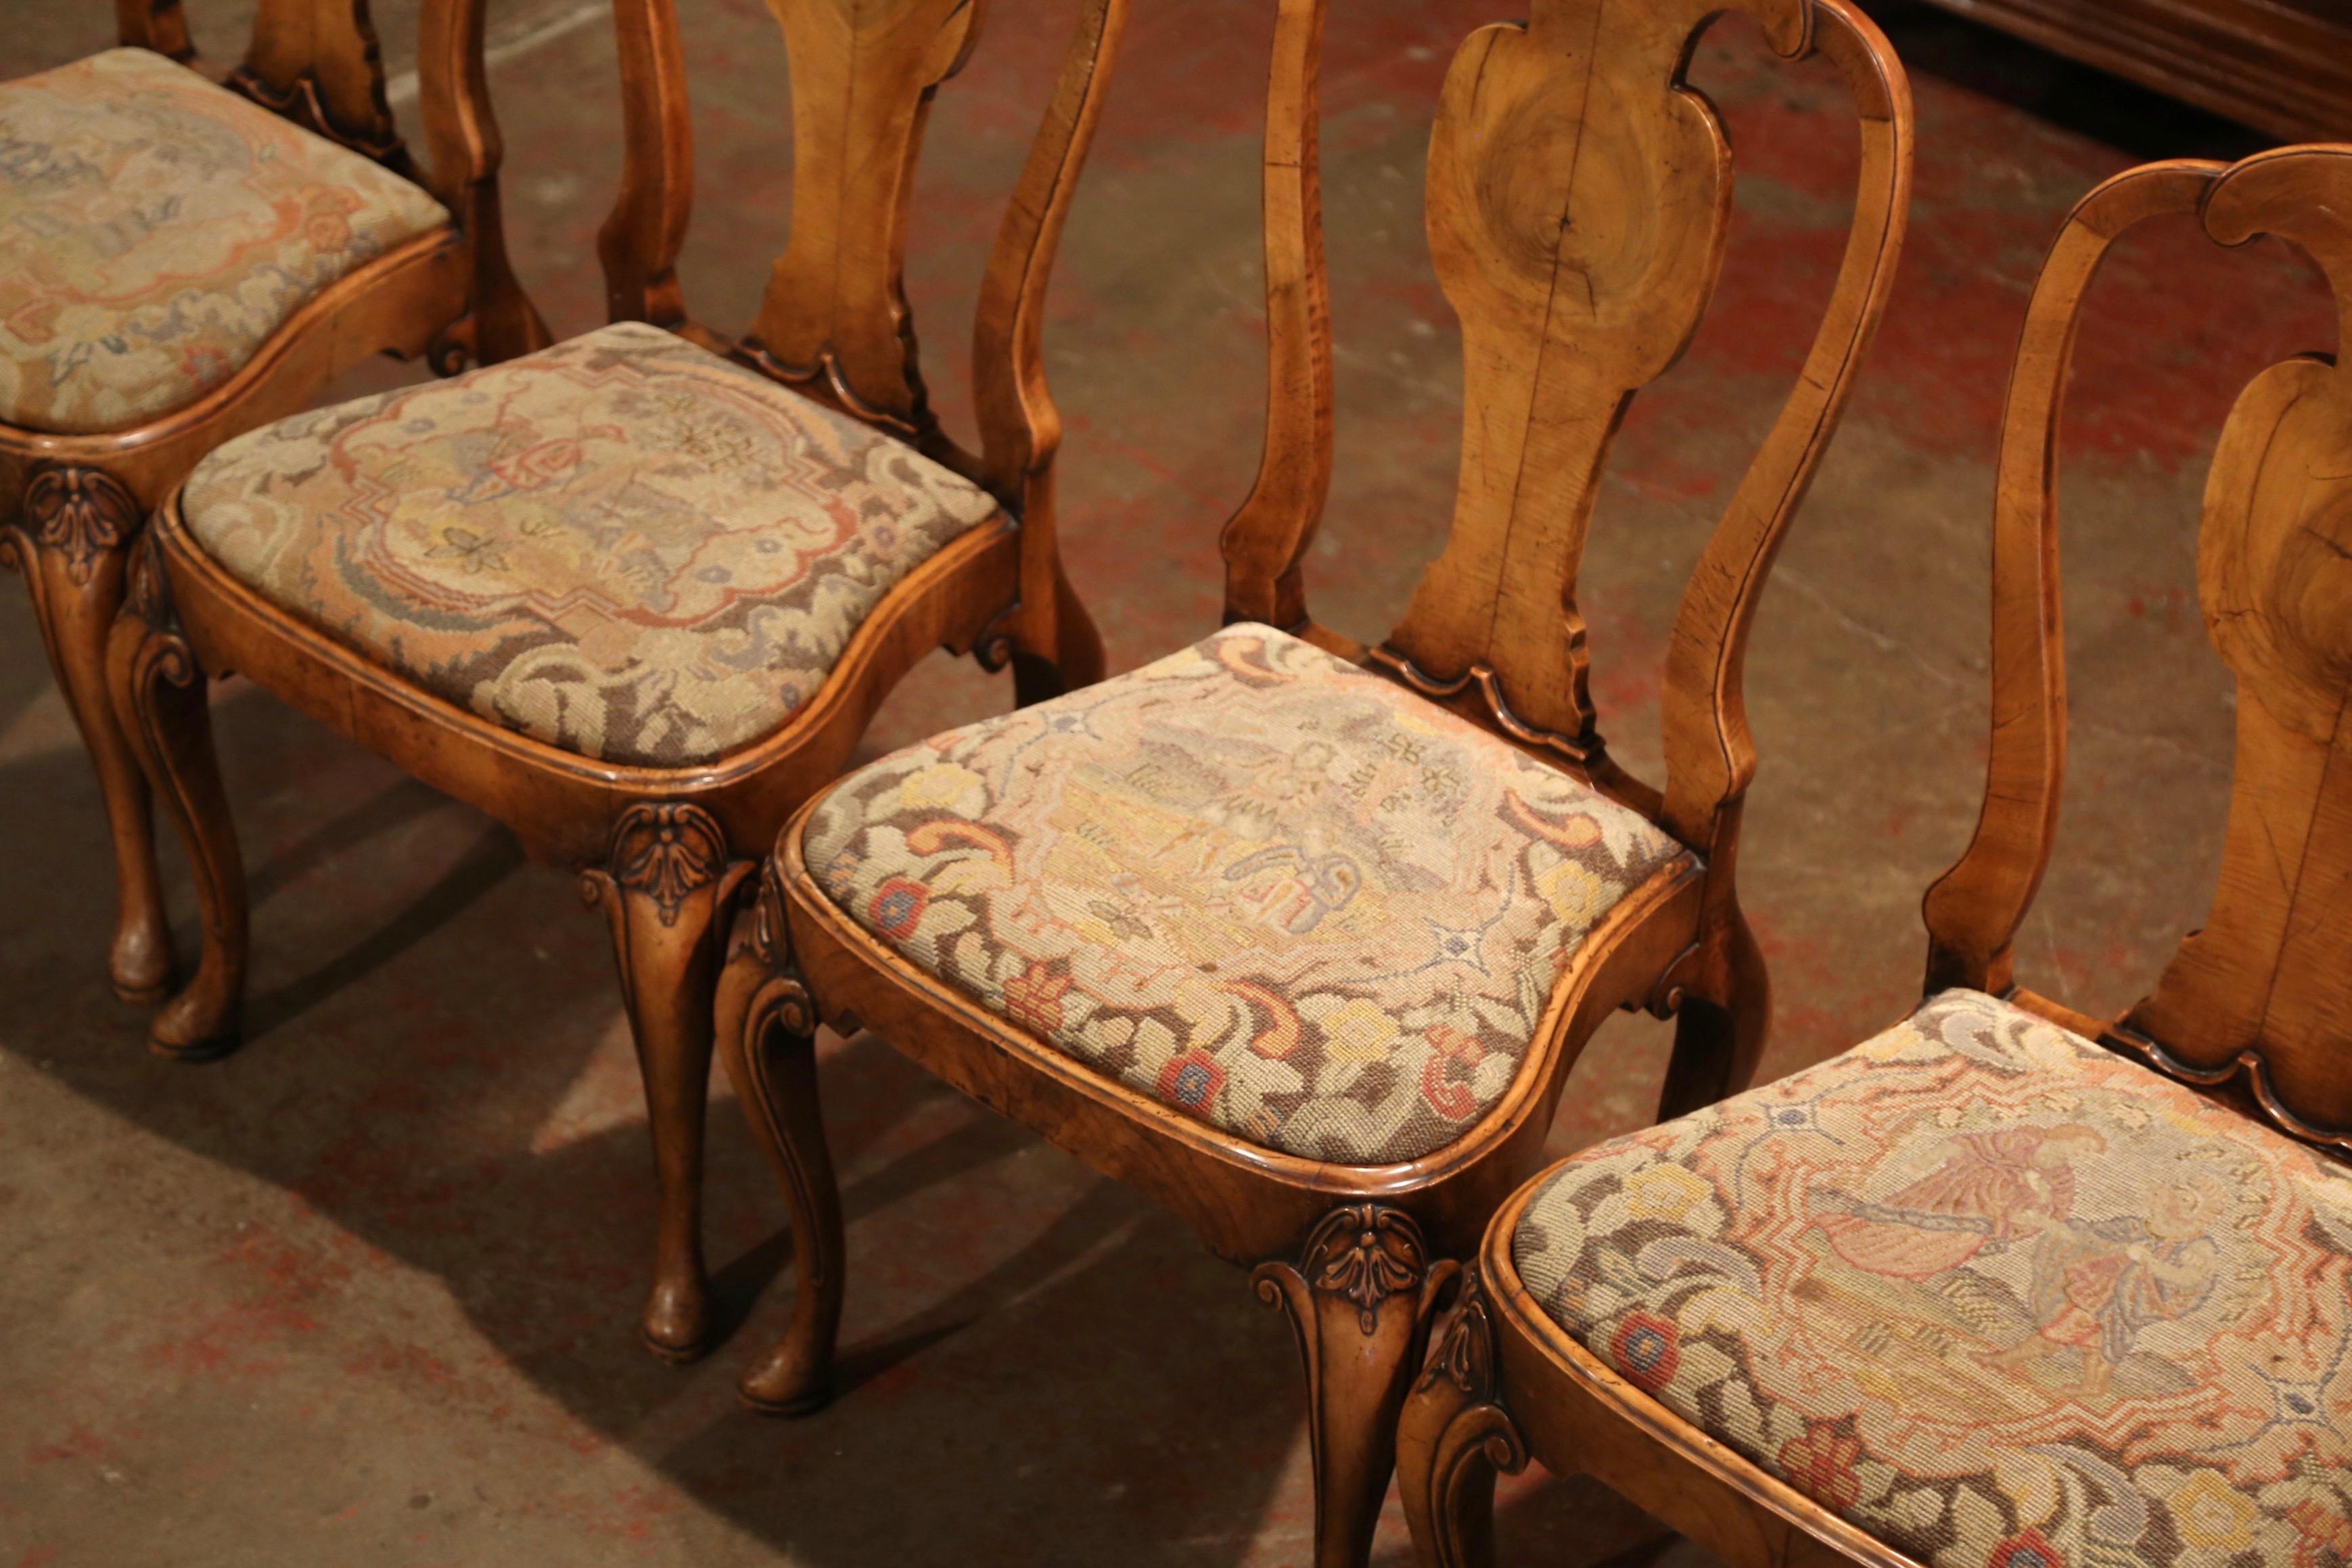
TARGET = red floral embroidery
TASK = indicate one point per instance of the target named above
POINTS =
(1447, 1095)
(2031, 1550)
(897, 907)
(540, 463)
(1649, 1350)
(2323, 1535)
(1191, 1081)
(1821, 1465)
(1034, 1000)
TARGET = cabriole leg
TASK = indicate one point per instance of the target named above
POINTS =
(667, 892)
(1452, 1438)
(767, 1032)
(159, 695)
(1358, 1300)
(73, 548)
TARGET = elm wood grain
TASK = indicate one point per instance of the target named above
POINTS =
(444, 294)
(2257, 1004)
(1358, 1257)
(666, 852)
(2281, 66)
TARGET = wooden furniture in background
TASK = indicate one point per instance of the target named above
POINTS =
(2258, 1002)
(2281, 66)
(662, 834)
(1577, 198)
(79, 475)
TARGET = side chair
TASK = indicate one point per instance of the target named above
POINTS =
(2007, 1286)
(636, 596)
(182, 261)
(1298, 937)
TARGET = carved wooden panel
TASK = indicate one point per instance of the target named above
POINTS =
(863, 75)
(317, 62)
(1577, 197)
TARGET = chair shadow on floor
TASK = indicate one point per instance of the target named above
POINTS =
(1033, 1359)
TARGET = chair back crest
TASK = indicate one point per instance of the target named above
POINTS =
(1577, 197)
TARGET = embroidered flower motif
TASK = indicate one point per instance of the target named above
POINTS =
(1666, 1191)
(1447, 1095)
(540, 463)
(1647, 1350)
(2320, 1532)
(1191, 1081)
(2212, 1513)
(898, 908)
(1034, 999)
(1821, 1465)
(2031, 1550)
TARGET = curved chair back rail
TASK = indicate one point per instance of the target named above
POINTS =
(2265, 990)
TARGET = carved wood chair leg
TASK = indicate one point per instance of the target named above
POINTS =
(1360, 1301)
(667, 892)
(1077, 658)
(1454, 1438)
(159, 693)
(1719, 1043)
(73, 548)
(767, 1033)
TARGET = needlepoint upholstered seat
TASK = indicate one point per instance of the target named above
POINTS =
(624, 545)
(1994, 1293)
(1251, 881)
(156, 229)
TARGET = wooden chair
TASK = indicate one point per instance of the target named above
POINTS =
(1302, 938)
(634, 597)
(2007, 1284)
(183, 263)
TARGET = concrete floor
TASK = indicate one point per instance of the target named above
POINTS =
(365, 1293)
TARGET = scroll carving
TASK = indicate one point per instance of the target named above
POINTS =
(82, 515)
(664, 851)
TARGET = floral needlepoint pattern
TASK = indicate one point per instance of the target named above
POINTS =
(2000, 1297)
(1251, 881)
(1821, 1463)
(898, 907)
(2027, 1551)
(156, 229)
(1648, 1350)
(624, 545)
